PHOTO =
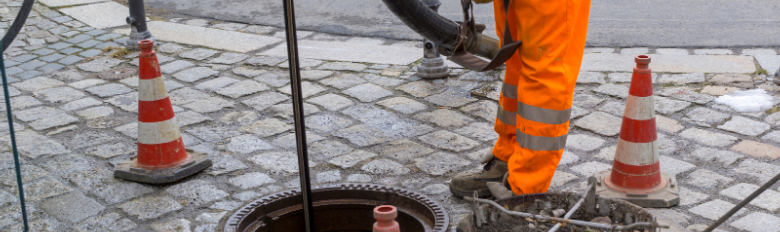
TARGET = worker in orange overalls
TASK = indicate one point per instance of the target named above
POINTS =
(536, 97)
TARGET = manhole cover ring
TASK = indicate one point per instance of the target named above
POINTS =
(117, 73)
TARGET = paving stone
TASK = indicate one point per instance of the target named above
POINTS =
(600, 123)
(690, 197)
(620, 91)
(126, 102)
(343, 66)
(105, 151)
(195, 74)
(49, 58)
(668, 124)
(175, 225)
(773, 136)
(216, 83)
(315, 74)
(444, 118)
(196, 192)
(449, 99)
(708, 138)
(712, 52)
(150, 207)
(105, 222)
(686, 94)
(327, 122)
(248, 72)
(72, 207)
(277, 163)
(24, 58)
(189, 118)
(100, 182)
(758, 222)
(479, 130)
(224, 163)
(96, 112)
(49, 68)
(175, 66)
(420, 89)
(763, 171)
(745, 126)
(769, 62)
(591, 78)
(331, 101)
(484, 109)
(263, 101)
(32, 65)
(351, 159)
(226, 205)
(208, 37)
(359, 178)
(772, 119)
(739, 80)
(440, 163)
(29, 174)
(614, 108)
(198, 54)
(758, 150)
(590, 168)
(383, 81)
(98, 65)
(246, 144)
(707, 179)
(687, 78)
(669, 106)
(69, 60)
(403, 150)
(561, 178)
(448, 140)
(42, 189)
(362, 135)
(89, 44)
(60, 45)
(584, 142)
(705, 117)
(285, 110)
(37, 83)
(384, 167)
(343, 81)
(567, 158)
(714, 209)
(266, 60)
(328, 177)
(251, 180)
(22, 102)
(228, 58)
(12, 92)
(208, 105)
(266, 127)
(28, 74)
(367, 92)
(69, 51)
(108, 90)
(59, 94)
(403, 105)
(674, 166)
(308, 89)
(769, 200)
(718, 90)
(303, 63)
(186, 95)
(273, 79)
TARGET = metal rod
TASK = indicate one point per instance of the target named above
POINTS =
(743, 203)
(300, 127)
(575, 208)
(13, 140)
(568, 221)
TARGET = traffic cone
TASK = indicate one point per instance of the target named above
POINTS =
(636, 171)
(162, 157)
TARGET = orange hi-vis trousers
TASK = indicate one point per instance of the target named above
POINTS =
(538, 88)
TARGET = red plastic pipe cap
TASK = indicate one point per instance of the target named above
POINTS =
(385, 219)
(146, 45)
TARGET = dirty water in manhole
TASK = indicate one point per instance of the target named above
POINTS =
(339, 208)
(613, 212)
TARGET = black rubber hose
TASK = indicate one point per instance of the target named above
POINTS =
(442, 31)
(16, 27)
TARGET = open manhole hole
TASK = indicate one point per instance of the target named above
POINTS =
(612, 212)
(117, 73)
(339, 208)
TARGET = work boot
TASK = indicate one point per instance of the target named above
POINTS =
(466, 183)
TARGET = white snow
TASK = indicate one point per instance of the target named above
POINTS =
(754, 100)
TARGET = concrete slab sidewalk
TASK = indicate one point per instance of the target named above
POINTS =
(207, 37)
(100, 16)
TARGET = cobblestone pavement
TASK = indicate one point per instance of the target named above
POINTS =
(369, 122)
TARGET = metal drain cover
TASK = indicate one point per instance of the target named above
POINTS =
(117, 73)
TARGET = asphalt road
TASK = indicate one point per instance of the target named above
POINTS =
(617, 23)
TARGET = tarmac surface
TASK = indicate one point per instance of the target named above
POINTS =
(616, 23)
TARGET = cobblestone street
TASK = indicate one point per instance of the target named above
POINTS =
(369, 119)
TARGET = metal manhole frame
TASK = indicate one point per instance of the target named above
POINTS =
(440, 221)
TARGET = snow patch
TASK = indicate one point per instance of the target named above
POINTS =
(754, 100)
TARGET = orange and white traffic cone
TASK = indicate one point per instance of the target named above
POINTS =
(162, 157)
(636, 171)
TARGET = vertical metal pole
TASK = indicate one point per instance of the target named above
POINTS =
(297, 100)
(13, 140)
(432, 65)
(137, 21)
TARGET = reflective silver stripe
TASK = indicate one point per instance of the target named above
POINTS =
(506, 117)
(540, 143)
(509, 91)
(543, 115)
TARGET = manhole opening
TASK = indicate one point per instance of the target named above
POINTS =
(342, 208)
